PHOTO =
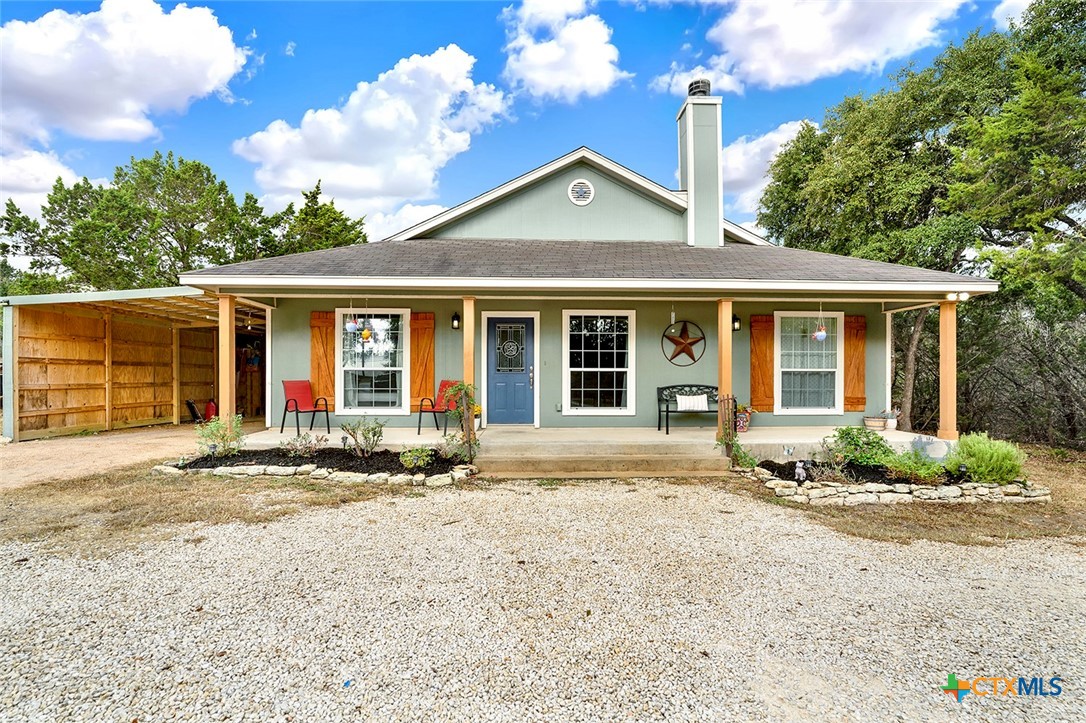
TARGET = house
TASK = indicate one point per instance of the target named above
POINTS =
(569, 294)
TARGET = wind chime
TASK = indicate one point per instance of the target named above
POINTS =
(820, 331)
(352, 326)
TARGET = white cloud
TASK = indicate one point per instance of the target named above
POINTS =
(102, 74)
(793, 42)
(382, 225)
(29, 175)
(289, 50)
(1008, 10)
(251, 35)
(745, 165)
(385, 145)
(718, 73)
(557, 52)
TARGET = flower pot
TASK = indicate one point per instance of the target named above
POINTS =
(891, 423)
(742, 421)
(876, 423)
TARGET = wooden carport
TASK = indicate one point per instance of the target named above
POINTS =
(107, 360)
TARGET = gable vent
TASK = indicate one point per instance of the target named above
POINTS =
(581, 192)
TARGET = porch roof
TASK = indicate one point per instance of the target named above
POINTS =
(730, 266)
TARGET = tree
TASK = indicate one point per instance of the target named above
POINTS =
(160, 217)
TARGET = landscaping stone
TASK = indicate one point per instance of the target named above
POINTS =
(862, 498)
(1036, 492)
(902, 489)
(166, 470)
(1012, 490)
(947, 492)
(785, 491)
(459, 475)
(379, 478)
(894, 498)
(439, 480)
(418, 479)
(319, 473)
(306, 469)
(802, 499)
(762, 474)
(877, 487)
(775, 484)
(823, 501)
(280, 471)
(348, 477)
(400, 479)
(821, 492)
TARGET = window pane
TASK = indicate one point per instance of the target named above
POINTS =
(808, 390)
(379, 388)
(383, 349)
(593, 381)
(800, 351)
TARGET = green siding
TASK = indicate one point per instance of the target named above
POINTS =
(290, 353)
(705, 182)
(544, 211)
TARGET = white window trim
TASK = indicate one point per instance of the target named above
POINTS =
(404, 410)
(631, 368)
(486, 317)
(839, 380)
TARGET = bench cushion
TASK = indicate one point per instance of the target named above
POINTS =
(692, 402)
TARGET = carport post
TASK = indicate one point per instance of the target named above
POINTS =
(176, 375)
(226, 360)
(11, 373)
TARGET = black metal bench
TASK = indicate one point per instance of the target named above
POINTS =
(667, 404)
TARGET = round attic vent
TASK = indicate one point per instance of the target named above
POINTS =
(581, 192)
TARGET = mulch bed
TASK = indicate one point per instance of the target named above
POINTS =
(855, 473)
(335, 459)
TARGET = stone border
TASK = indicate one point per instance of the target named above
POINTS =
(459, 473)
(835, 493)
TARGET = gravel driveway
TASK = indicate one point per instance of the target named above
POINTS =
(594, 601)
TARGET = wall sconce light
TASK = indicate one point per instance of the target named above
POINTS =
(455, 320)
(737, 324)
(960, 296)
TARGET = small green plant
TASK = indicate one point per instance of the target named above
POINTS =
(303, 447)
(740, 457)
(455, 448)
(916, 467)
(413, 458)
(857, 445)
(365, 435)
(986, 460)
(218, 439)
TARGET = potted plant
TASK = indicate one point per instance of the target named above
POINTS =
(891, 417)
(742, 417)
(876, 423)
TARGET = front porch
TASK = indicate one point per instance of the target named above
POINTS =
(515, 450)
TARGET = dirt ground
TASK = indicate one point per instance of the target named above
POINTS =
(62, 458)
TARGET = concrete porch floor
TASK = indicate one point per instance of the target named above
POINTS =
(777, 443)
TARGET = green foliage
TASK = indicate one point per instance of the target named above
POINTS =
(741, 457)
(228, 439)
(455, 395)
(915, 467)
(454, 447)
(413, 458)
(986, 460)
(303, 447)
(159, 217)
(857, 445)
(365, 435)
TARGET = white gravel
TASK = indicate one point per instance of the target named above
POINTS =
(596, 601)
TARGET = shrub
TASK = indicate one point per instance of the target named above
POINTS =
(227, 441)
(986, 460)
(413, 458)
(365, 435)
(857, 445)
(303, 447)
(916, 467)
(740, 457)
(455, 448)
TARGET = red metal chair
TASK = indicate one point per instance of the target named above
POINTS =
(299, 395)
(438, 405)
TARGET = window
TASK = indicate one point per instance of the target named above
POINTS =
(372, 373)
(809, 374)
(598, 354)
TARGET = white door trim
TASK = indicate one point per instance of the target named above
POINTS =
(484, 349)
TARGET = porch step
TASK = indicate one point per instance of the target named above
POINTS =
(598, 448)
(601, 465)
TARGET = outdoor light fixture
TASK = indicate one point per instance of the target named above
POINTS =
(962, 469)
(212, 448)
(344, 440)
(456, 320)
(736, 323)
(959, 296)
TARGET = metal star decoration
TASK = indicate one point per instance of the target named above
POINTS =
(684, 343)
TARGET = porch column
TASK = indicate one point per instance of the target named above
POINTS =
(724, 354)
(227, 393)
(176, 364)
(469, 356)
(948, 370)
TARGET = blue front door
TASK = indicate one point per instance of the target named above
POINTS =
(510, 374)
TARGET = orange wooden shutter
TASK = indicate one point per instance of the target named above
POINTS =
(761, 362)
(855, 363)
(322, 355)
(422, 357)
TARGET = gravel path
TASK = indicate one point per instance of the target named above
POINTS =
(596, 601)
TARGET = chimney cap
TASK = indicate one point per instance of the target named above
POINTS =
(698, 87)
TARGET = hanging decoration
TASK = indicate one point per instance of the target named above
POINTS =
(820, 331)
(673, 315)
(367, 331)
(683, 343)
(352, 325)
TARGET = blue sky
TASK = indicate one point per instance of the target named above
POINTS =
(403, 109)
